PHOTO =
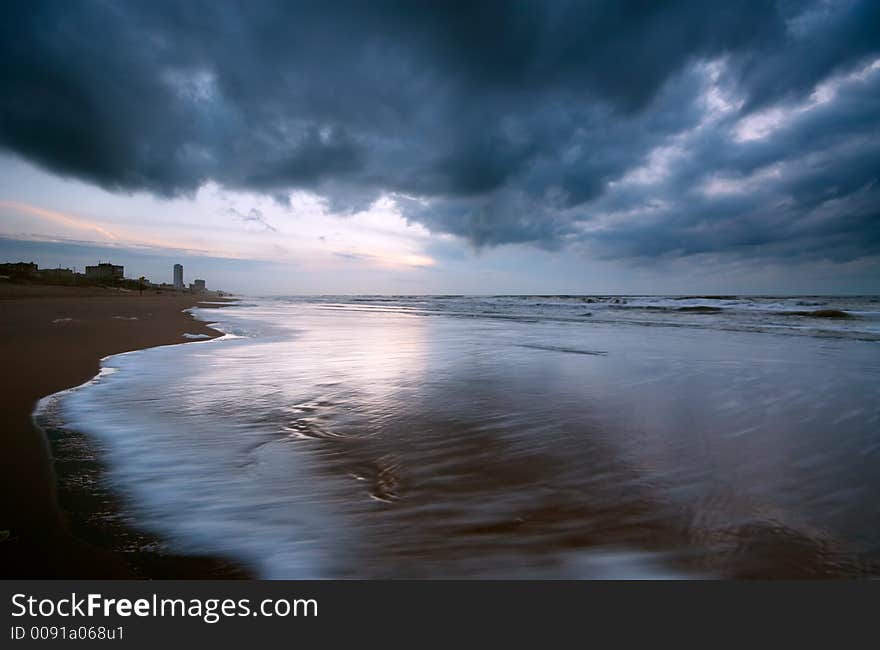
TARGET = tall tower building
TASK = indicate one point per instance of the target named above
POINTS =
(178, 277)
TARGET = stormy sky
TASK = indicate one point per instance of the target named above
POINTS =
(476, 147)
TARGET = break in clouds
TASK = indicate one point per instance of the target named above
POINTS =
(627, 129)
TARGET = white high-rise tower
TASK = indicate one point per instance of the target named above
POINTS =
(178, 277)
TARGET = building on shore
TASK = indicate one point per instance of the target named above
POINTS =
(104, 271)
(101, 274)
(59, 274)
(18, 269)
(178, 277)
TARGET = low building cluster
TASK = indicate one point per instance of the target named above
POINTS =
(102, 273)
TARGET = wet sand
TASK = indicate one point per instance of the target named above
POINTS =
(52, 338)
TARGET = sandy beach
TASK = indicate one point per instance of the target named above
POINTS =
(52, 338)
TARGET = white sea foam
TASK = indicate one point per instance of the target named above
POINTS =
(193, 470)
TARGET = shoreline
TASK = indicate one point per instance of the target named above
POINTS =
(57, 518)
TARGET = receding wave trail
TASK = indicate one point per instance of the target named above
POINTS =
(506, 437)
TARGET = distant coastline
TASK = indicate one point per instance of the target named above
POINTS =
(56, 520)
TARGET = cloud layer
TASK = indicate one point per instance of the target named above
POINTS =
(624, 128)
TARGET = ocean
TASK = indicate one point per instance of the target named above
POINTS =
(505, 436)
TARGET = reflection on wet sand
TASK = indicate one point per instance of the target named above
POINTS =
(459, 502)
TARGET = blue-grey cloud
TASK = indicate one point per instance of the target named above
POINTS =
(499, 122)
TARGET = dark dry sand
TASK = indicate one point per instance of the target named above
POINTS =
(52, 338)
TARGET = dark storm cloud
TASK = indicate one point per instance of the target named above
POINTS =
(499, 122)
